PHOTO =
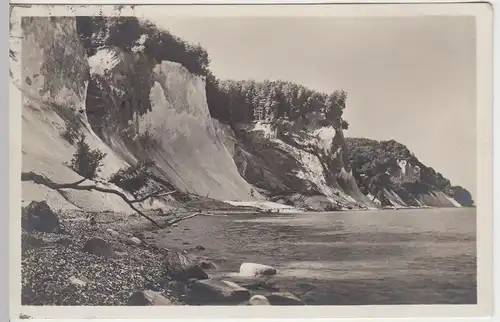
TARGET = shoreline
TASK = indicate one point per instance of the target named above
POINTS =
(56, 271)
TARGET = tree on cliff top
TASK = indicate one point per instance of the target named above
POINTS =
(245, 101)
(124, 32)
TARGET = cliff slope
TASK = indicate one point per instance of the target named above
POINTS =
(290, 141)
(52, 73)
(391, 174)
(140, 101)
(140, 94)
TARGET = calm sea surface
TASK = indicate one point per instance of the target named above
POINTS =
(418, 256)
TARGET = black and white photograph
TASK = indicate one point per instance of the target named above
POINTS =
(297, 160)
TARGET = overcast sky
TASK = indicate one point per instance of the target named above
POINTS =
(411, 79)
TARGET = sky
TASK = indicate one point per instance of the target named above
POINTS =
(411, 79)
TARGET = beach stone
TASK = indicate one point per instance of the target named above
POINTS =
(140, 235)
(78, 281)
(133, 241)
(64, 241)
(217, 291)
(99, 247)
(284, 298)
(148, 297)
(180, 267)
(258, 300)
(254, 269)
(38, 216)
(113, 232)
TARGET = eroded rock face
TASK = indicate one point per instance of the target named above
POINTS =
(158, 108)
(38, 216)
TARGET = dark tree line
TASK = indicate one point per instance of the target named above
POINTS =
(245, 101)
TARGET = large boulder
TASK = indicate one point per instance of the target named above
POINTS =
(38, 216)
(253, 269)
(284, 298)
(180, 267)
(148, 297)
(256, 283)
(29, 241)
(216, 291)
(99, 247)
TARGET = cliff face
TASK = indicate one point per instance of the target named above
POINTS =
(392, 175)
(157, 110)
(52, 73)
(290, 142)
(140, 94)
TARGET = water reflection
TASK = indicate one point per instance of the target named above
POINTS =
(410, 256)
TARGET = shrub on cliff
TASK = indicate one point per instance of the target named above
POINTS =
(133, 178)
(87, 162)
(71, 133)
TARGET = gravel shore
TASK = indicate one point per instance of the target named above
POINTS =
(56, 271)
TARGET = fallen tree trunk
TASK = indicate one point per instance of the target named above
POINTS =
(171, 222)
(40, 179)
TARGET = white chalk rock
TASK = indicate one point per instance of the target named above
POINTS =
(253, 269)
(258, 300)
(113, 233)
(134, 241)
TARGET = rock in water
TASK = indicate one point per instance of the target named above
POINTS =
(253, 269)
(206, 264)
(180, 267)
(147, 297)
(40, 217)
(99, 247)
(284, 298)
(215, 291)
(259, 300)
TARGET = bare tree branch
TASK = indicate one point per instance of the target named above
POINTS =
(156, 194)
(36, 178)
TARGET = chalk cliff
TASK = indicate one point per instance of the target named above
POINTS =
(139, 93)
